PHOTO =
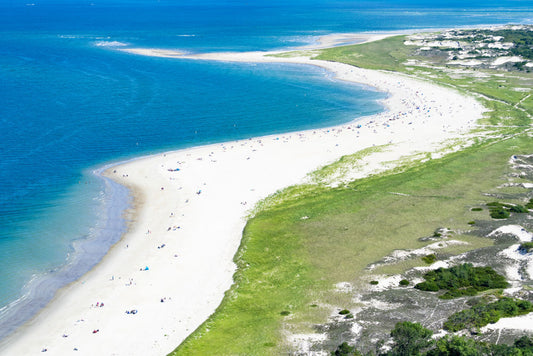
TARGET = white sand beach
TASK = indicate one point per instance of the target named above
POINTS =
(175, 262)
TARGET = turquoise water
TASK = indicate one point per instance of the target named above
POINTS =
(69, 104)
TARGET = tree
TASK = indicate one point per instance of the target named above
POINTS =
(456, 346)
(345, 350)
(409, 339)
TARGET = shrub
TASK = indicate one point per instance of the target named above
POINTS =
(461, 280)
(344, 312)
(483, 314)
(404, 282)
(476, 209)
(526, 247)
(518, 209)
(429, 259)
(499, 213)
(374, 283)
(285, 313)
(344, 350)
(529, 205)
(472, 222)
(410, 338)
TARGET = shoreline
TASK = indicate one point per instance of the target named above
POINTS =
(86, 253)
(287, 158)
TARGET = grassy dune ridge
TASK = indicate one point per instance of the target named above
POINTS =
(306, 239)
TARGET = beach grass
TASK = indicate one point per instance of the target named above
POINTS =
(388, 54)
(304, 240)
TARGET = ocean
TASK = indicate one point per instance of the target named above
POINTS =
(70, 104)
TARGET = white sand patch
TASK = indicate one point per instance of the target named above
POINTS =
(518, 231)
(500, 45)
(356, 328)
(522, 260)
(385, 282)
(110, 44)
(153, 52)
(438, 264)
(523, 323)
(199, 212)
(304, 343)
(434, 44)
(400, 255)
(502, 60)
(470, 63)
(344, 287)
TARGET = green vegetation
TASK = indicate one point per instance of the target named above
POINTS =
(529, 204)
(404, 282)
(526, 247)
(502, 211)
(345, 350)
(476, 209)
(483, 314)
(518, 209)
(389, 54)
(429, 259)
(461, 280)
(412, 339)
(499, 213)
(374, 283)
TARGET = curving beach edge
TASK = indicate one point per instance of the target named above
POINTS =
(169, 272)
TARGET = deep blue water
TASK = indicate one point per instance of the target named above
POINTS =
(70, 104)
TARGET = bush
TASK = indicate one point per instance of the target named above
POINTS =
(476, 209)
(404, 282)
(344, 312)
(483, 314)
(499, 213)
(457, 345)
(374, 283)
(518, 209)
(285, 313)
(461, 280)
(345, 350)
(526, 247)
(502, 211)
(471, 222)
(529, 205)
(410, 338)
(429, 259)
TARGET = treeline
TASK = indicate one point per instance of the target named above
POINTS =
(412, 339)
